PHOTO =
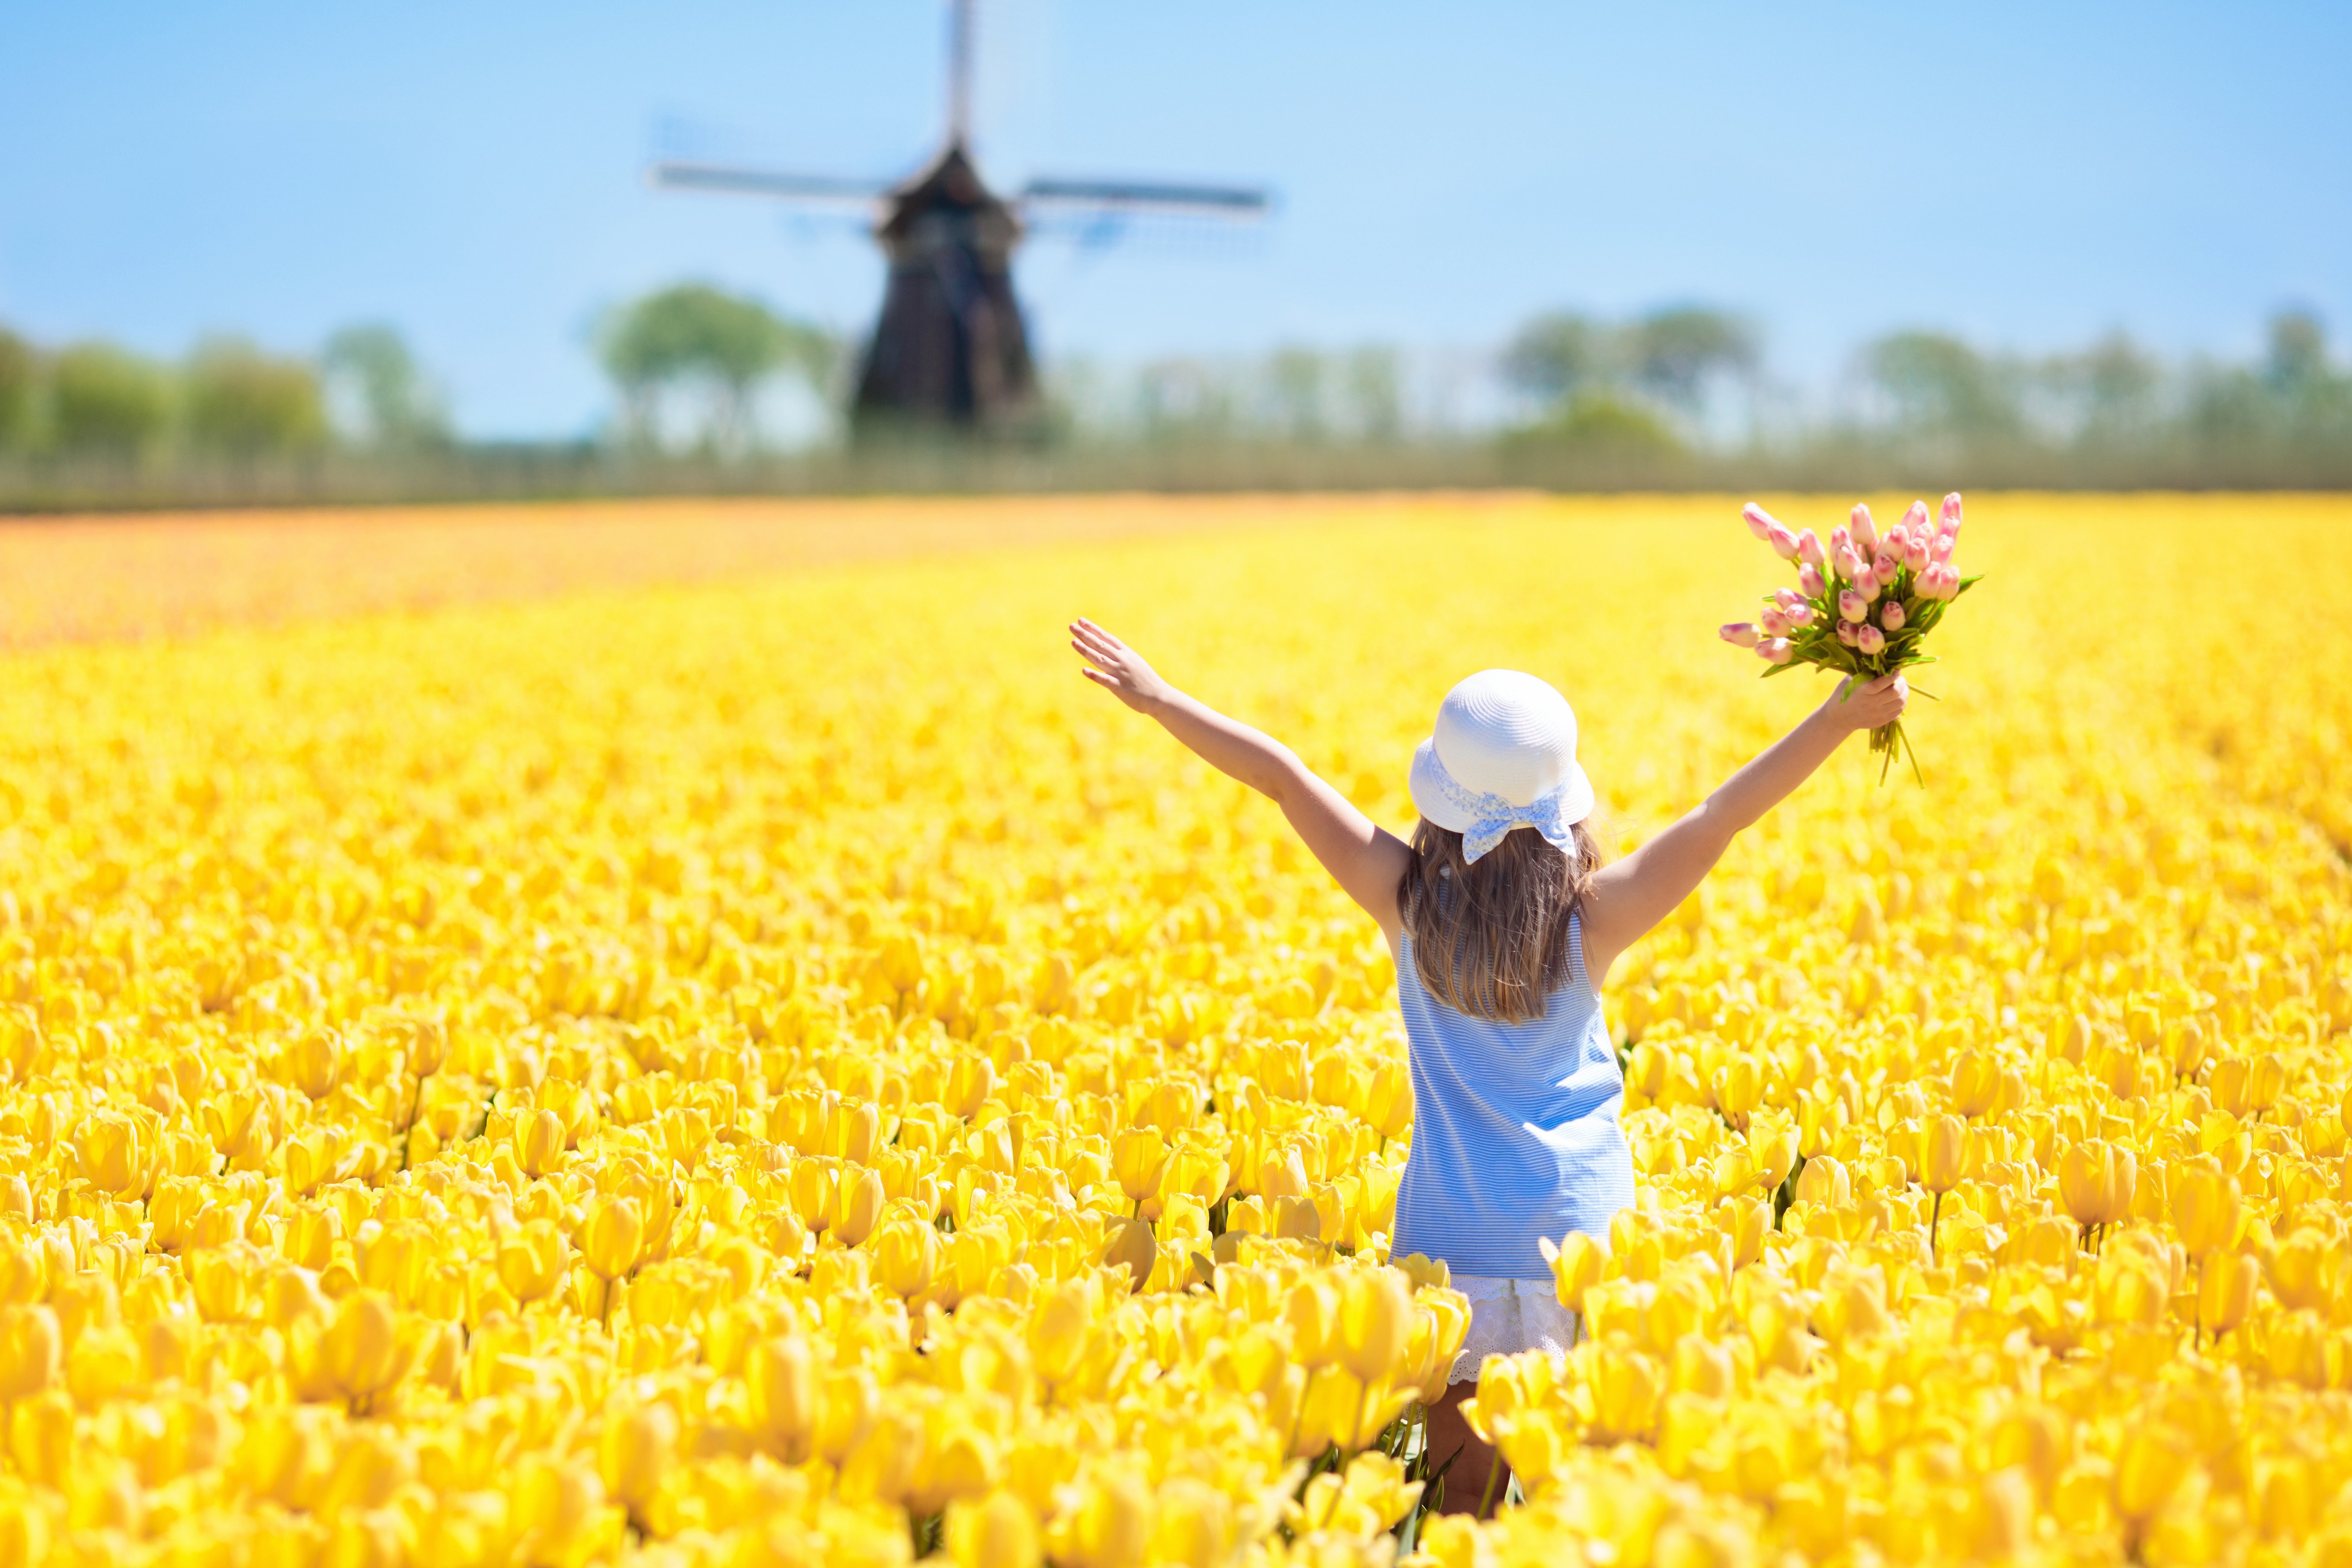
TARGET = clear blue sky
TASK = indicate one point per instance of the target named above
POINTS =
(2028, 174)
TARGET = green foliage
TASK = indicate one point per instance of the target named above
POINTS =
(245, 403)
(1674, 353)
(398, 410)
(1940, 385)
(20, 376)
(691, 336)
(107, 402)
(1555, 356)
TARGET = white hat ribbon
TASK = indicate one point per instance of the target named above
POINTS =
(1489, 816)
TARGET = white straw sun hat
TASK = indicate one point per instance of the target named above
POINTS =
(1503, 756)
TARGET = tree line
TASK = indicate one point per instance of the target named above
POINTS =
(1677, 396)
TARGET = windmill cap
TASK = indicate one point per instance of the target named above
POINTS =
(1505, 734)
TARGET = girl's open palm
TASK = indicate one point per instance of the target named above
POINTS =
(1111, 664)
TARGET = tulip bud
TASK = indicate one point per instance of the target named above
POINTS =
(2225, 1291)
(1773, 622)
(538, 1142)
(860, 1205)
(1801, 614)
(1869, 641)
(1845, 633)
(1849, 565)
(1787, 598)
(993, 1532)
(1824, 1181)
(1943, 1144)
(1885, 565)
(1759, 523)
(1915, 550)
(2205, 1206)
(1740, 633)
(1375, 1317)
(1136, 1159)
(1576, 1263)
(1951, 522)
(1809, 581)
(1853, 607)
(1840, 542)
(1867, 583)
(613, 1237)
(1890, 614)
(1775, 650)
(635, 1453)
(1865, 532)
(1787, 546)
(1809, 550)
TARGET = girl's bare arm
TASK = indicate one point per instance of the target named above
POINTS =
(1642, 889)
(1364, 858)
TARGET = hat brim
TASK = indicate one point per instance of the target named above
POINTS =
(1445, 804)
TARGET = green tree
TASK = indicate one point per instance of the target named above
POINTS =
(1296, 381)
(1940, 385)
(397, 409)
(2296, 361)
(1553, 357)
(1375, 393)
(107, 402)
(245, 403)
(1674, 352)
(693, 336)
(20, 380)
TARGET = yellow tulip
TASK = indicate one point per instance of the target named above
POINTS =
(1137, 1157)
(1576, 1265)
(996, 1531)
(2225, 1291)
(613, 1238)
(532, 1263)
(2205, 1206)
(2156, 1459)
(539, 1141)
(31, 1351)
(1375, 1322)
(635, 1453)
(360, 1353)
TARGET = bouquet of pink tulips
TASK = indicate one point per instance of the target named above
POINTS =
(1862, 605)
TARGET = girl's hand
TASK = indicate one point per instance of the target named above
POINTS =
(1111, 664)
(1867, 707)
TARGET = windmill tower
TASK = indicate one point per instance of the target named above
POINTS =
(950, 351)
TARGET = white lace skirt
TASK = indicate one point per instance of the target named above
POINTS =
(1507, 1316)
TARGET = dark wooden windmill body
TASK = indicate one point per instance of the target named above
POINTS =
(950, 347)
(951, 350)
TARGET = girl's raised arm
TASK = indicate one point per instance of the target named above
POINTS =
(1364, 858)
(1637, 892)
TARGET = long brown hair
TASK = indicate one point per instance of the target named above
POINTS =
(1491, 939)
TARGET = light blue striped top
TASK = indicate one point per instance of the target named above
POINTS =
(1514, 1131)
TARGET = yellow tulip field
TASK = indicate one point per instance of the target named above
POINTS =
(779, 1069)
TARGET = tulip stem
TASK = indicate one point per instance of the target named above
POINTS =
(1494, 1469)
(1935, 1214)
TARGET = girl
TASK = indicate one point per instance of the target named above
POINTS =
(1503, 924)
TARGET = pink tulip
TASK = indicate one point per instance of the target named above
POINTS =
(1865, 532)
(1774, 650)
(1785, 597)
(1941, 580)
(1842, 539)
(1738, 633)
(1774, 623)
(1916, 517)
(1810, 584)
(1853, 607)
(1951, 521)
(1869, 640)
(1849, 565)
(1890, 614)
(1943, 547)
(1866, 583)
(1784, 543)
(1809, 550)
(1915, 548)
(1888, 562)
(1759, 523)
(1801, 614)
(1845, 633)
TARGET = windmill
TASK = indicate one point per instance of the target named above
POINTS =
(950, 350)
